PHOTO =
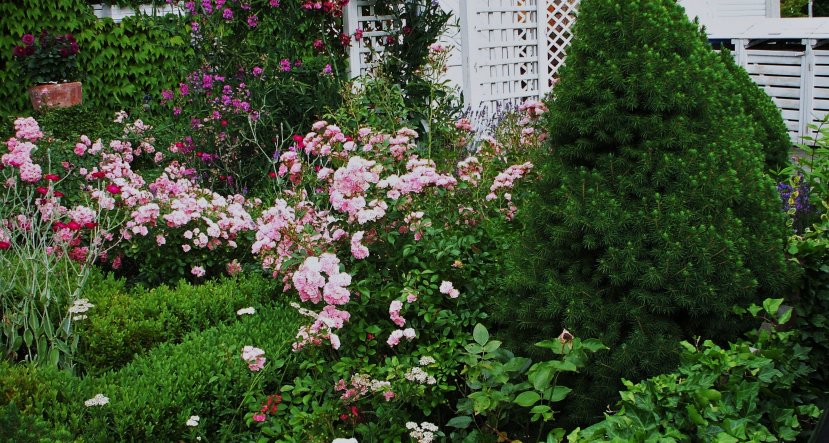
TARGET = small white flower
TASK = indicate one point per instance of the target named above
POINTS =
(193, 421)
(80, 306)
(426, 360)
(97, 400)
(345, 440)
(246, 311)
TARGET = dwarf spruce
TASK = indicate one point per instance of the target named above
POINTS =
(653, 215)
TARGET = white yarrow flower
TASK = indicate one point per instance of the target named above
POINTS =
(97, 400)
(80, 306)
(193, 421)
(246, 311)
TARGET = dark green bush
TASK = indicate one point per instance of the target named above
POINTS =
(18, 427)
(126, 323)
(739, 393)
(653, 216)
(28, 395)
(770, 130)
(151, 398)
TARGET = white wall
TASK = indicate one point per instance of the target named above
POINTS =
(711, 9)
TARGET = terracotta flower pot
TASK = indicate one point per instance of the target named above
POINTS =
(60, 95)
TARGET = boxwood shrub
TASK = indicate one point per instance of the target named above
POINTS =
(125, 323)
(151, 398)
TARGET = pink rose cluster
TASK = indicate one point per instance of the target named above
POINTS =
(361, 385)
(362, 184)
(254, 357)
(532, 111)
(20, 152)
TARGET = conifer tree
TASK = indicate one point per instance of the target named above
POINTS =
(765, 115)
(653, 215)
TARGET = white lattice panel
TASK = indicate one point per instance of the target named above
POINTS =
(561, 17)
(505, 42)
(360, 14)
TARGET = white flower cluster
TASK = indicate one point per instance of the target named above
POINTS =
(423, 433)
(426, 360)
(193, 421)
(420, 376)
(246, 311)
(79, 307)
(97, 400)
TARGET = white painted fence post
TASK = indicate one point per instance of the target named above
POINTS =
(740, 51)
(469, 53)
(544, 50)
(807, 88)
(350, 23)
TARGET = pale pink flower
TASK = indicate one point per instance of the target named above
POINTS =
(254, 357)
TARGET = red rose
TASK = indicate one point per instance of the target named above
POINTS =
(42, 190)
(73, 225)
(51, 177)
(113, 189)
(5, 245)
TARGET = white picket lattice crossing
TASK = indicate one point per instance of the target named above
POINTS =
(505, 52)
(562, 16)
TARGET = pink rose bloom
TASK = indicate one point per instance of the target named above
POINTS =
(358, 250)
(30, 172)
(259, 418)
(254, 358)
(446, 287)
(198, 271)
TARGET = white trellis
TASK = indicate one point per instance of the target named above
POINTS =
(504, 51)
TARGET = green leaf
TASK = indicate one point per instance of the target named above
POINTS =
(540, 376)
(527, 399)
(460, 422)
(560, 393)
(593, 345)
(772, 305)
(480, 334)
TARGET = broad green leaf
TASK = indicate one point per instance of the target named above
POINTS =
(527, 399)
(480, 334)
(460, 422)
(540, 376)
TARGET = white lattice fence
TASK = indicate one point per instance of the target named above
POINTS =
(361, 15)
(506, 51)
(561, 17)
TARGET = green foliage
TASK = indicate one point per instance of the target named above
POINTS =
(16, 427)
(128, 323)
(47, 58)
(740, 393)
(27, 393)
(770, 130)
(809, 246)
(509, 395)
(119, 62)
(652, 216)
(151, 398)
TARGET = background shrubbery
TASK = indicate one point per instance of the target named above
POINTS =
(120, 63)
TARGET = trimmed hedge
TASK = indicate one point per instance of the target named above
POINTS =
(128, 323)
(151, 398)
